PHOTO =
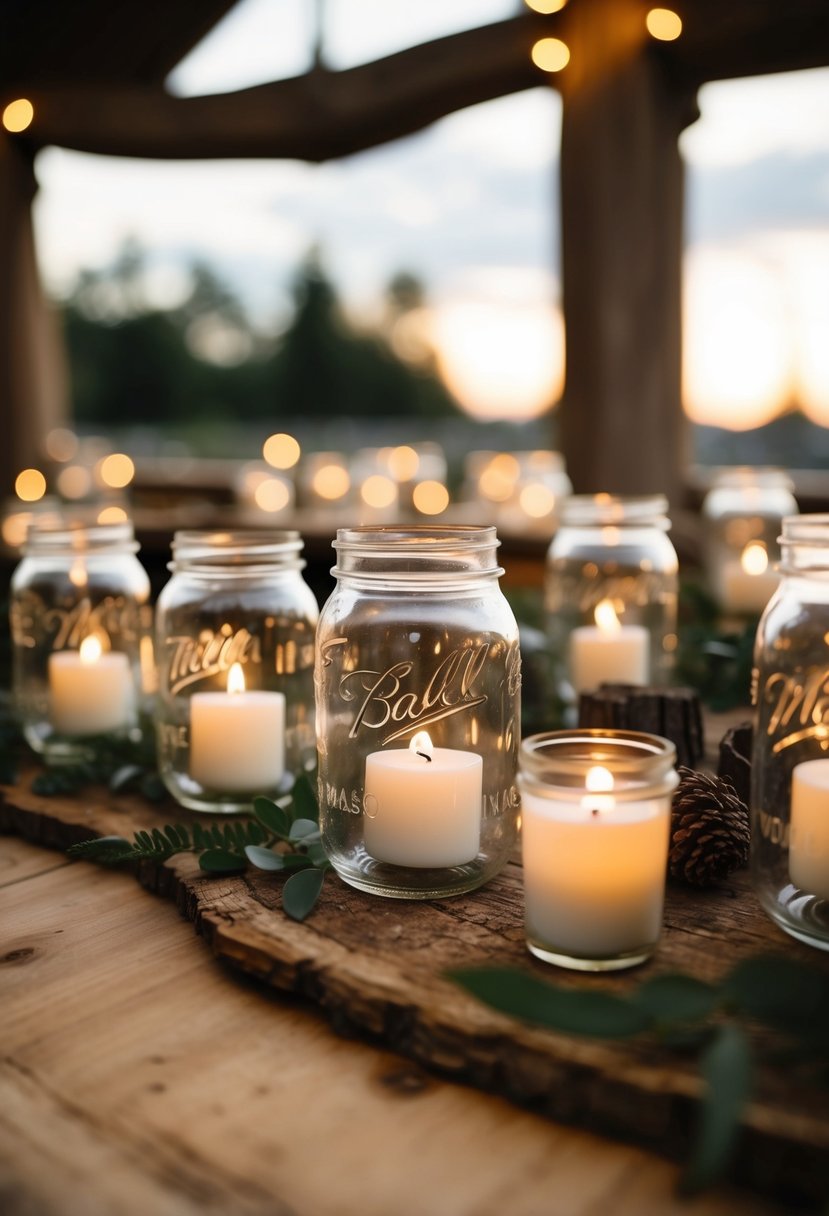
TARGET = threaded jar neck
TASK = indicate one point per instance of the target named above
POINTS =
(615, 510)
(239, 553)
(556, 763)
(804, 543)
(417, 556)
(77, 537)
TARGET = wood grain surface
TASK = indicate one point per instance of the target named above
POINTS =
(374, 967)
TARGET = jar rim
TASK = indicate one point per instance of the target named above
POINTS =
(561, 759)
(746, 475)
(434, 538)
(236, 549)
(76, 534)
(615, 509)
(809, 532)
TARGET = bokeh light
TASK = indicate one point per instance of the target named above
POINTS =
(378, 491)
(664, 24)
(112, 515)
(18, 115)
(281, 451)
(550, 54)
(430, 497)
(116, 471)
(30, 485)
(331, 481)
(74, 481)
(272, 494)
(61, 444)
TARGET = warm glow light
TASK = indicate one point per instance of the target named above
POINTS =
(378, 491)
(235, 678)
(281, 451)
(501, 360)
(271, 494)
(403, 463)
(606, 618)
(78, 576)
(61, 444)
(30, 485)
(74, 481)
(497, 481)
(331, 481)
(550, 54)
(430, 497)
(18, 115)
(754, 558)
(737, 349)
(546, 6)
(90, 649)
(664, 24)
(421, 742)
(116, 471)
(599, 780)
(537, 500)
(15, 528)
(112, 515)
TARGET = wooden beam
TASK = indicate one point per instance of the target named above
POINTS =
(621, 419)
(32, 373)
(315, 117)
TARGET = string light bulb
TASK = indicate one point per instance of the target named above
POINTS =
(550, 54)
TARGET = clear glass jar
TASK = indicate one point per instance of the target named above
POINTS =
(743, 512)
(611, 593)
(418, 711)
(235, 649)
(595, 816)
(790, 759)
(79, 612)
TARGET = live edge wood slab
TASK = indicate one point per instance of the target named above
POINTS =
(375, 968)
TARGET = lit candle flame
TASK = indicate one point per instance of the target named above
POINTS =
(606, 618)
(235, 678)
(421, 745)
(91, 649)
(599, 779)
(754, 559)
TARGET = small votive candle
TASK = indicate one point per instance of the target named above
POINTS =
(90, 691)
(608, 652)
(237, 737)
(809, 839)
(422, 805)
(596, 811)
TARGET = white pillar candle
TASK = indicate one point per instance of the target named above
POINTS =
(594, 870)
(237, 738)
(809, 835)
(90, 692)
(608, 652)
(422, 805)
(747, 585)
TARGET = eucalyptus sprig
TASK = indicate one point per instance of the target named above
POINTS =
(283, 836)
(686, 1013)
(120, 763)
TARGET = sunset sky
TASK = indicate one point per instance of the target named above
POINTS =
(470, 205)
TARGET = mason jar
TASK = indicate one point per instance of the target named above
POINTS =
(235, 650)
(79, 620)
(611, 593)
(418, 711)
(790, 758)
(743, 512)
(596, 816)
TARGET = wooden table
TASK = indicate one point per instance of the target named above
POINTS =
(139, 1076)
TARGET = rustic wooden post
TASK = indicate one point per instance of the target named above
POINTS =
(621, 216)
(32, 381)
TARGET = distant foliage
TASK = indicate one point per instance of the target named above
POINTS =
(203, 360)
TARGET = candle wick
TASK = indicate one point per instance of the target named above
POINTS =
(425, 757)
(594, 812)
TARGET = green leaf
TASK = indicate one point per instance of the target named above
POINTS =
(152, 787)
(220, 861)
(272, 816)
(304, 829)
(264, 859)
(726, 1069)
(782, 992)
(597, 1014)
(109, 849)
(676, 998)
(301, 892)
(317, 856)
(296, 861)
(305, 799)
(124, 776)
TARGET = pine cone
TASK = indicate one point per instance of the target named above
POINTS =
(709, 829)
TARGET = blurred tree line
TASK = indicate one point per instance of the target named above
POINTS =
(203, 360)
